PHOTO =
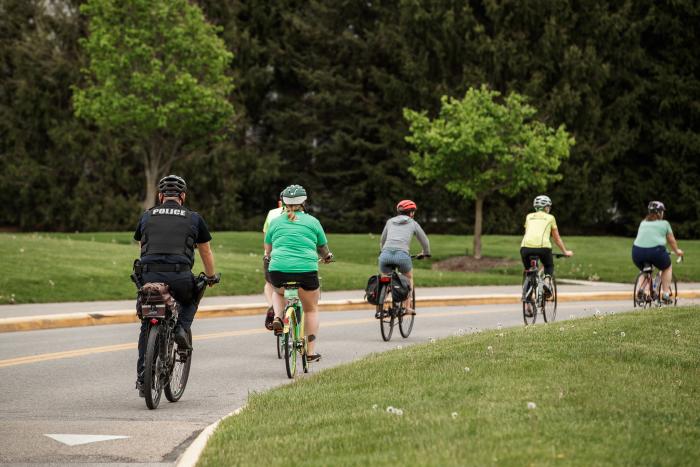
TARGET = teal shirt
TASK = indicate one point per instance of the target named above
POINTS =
(294, 243)
(652, 234)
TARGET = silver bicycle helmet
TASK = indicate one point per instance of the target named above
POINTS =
(542, 202)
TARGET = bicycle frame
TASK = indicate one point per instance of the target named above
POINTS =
(293, 314)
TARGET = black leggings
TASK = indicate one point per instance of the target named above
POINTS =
(545, 255)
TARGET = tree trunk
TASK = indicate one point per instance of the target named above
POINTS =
(151, 189)
(478, 216)
(157, 160)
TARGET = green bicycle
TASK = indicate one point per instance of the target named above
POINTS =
(293, 340)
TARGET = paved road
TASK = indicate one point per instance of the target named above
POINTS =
(87, 389)
(33, 309)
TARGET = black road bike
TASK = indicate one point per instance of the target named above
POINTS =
(167, 365)
(389, 312)
(535, 299)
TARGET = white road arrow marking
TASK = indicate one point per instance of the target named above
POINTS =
(75, 440)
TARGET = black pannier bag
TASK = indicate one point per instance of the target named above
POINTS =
(400, 287)
(155, 301)
(372, 290)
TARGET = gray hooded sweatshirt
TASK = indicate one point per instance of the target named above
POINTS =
(398, 233)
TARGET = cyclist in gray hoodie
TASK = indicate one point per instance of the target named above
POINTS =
(396, 241)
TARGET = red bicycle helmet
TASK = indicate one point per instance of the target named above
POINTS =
(406, 205)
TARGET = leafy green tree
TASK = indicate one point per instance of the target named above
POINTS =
(477, 147)
(156, 80)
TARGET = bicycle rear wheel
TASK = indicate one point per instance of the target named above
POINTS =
(152, 374)
(549, 306)
(529, 308)
(406, 321)
(290, 351)
(639, 285)
(181, 361)
(386, 315)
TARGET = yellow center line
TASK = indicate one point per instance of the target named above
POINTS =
(217, 335)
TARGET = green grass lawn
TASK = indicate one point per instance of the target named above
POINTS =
(96, 266)
(620, 389)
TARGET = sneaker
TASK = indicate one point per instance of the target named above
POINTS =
(666, 298)
(528, 310)
(547, 287)
(640, 296)
(269, 317)
(182, 338)
(313, 357)
(277, 326)
(377, 315)
(139, 386)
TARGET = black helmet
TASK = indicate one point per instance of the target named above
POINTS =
(172, 185)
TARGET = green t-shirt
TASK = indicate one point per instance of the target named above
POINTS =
(294, 243)
(652, 233)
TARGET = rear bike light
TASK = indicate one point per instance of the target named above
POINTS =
(385, 279)
(154, 321)
(533, 263)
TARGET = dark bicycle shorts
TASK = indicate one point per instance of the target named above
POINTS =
(657, 256)
(307, 280)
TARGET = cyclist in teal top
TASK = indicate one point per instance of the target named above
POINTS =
(294, 243)
(650, 246)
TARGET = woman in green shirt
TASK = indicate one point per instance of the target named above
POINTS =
(650, 246)
(294, 242)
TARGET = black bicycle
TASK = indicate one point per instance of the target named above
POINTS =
(389, 312)
(647, 288)
(537, 300)
(167, 365)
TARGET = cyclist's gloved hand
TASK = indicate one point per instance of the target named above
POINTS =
(328, 258)
(211, 280)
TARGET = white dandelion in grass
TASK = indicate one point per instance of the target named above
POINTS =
(51, 283)
(399, 347)
(572, 316)
(460, 332)
(561, 329)
(595, 333)
(398, 412)
(622, 334)
(21, 250)
(455, 415)
(531, 405)
(431, 339)
(677, 333)
(467, 369)
(375, 407)
(500, 334)
(489, 349)
(390, 409)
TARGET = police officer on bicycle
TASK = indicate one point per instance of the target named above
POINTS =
(168, 234)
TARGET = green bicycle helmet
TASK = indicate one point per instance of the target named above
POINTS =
(294, 194)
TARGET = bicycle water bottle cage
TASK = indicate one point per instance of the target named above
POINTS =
(155, 301)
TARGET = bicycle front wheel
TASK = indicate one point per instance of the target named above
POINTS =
(152, 375)
(280, 346)
(406, 321)
(386, 316)
(549, 306)
(181, 359)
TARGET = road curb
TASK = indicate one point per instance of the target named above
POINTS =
(32, 323)
(192, 454)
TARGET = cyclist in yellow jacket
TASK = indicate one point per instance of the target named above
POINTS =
(539, 227)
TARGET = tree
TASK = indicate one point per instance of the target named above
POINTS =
(477, 147)
(156, 80)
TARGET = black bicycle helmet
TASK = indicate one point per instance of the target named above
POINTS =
(172, 185)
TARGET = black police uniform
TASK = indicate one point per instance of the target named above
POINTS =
(168, 234)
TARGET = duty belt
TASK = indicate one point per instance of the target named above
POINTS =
(165, 267)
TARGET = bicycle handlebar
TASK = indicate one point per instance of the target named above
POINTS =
(559, 255)
(419, 257)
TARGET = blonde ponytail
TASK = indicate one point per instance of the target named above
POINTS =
(291, 211)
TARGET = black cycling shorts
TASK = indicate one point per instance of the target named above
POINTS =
(306, 280)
